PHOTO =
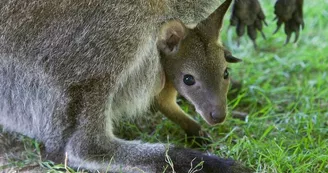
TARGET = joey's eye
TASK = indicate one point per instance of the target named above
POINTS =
(226, 74)
(189, 79)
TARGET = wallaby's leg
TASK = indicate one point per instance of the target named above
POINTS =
(94, 147)
(166, 103)
(99, 151)
(105, 153)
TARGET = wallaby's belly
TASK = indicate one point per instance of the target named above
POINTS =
(140, 84)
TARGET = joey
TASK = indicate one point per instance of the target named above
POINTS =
(197, 68)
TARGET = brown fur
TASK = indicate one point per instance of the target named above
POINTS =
(202, 56)
(70, 69)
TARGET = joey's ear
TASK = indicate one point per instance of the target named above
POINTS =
(230, 58)
(211, 26)
(170, 37)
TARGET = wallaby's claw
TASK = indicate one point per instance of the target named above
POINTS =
(279, 23)
(287, 38)
(263, 35)
(297, 34)
(248, 13)
(265, 23)
(251, 32)
(259, 26)
(289, 13)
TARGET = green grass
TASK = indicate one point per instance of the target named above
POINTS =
(285, 93)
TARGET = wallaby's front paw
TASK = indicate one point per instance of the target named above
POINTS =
(185, 160)
(197, 136)
(248, 13)
(290, 13)
(200, 138)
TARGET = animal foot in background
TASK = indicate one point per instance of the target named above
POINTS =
(248, 14)
(289, 13)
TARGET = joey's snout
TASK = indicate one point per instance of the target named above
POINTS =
(217, 116)
(212, 114)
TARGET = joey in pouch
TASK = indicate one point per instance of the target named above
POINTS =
(70, 69)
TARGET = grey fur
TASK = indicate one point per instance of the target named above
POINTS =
(68, 69)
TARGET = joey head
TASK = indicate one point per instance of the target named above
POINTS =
(196, 66)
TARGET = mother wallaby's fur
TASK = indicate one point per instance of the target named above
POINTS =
(69, 68)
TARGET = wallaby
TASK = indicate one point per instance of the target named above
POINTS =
(70, 69)
(197, 68)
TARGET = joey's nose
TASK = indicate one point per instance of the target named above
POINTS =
(217, 117)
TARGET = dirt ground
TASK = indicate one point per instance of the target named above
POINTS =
(17, 156)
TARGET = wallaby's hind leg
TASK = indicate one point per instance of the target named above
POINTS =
(93, 146)
(97, 151)
(166, 103)
(103, 153)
